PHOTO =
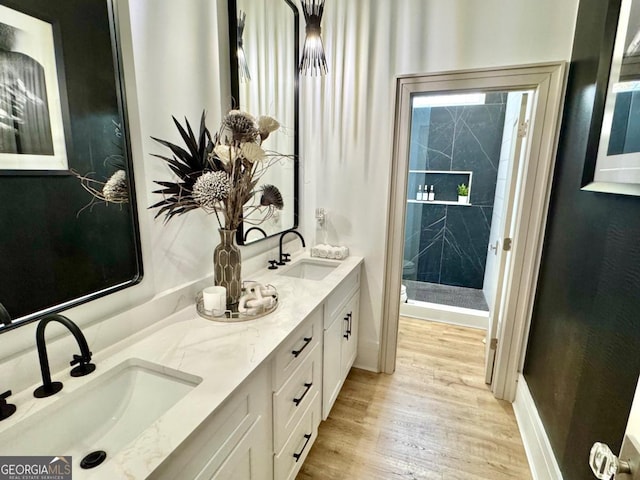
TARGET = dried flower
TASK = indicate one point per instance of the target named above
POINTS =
(210, 188)
(239, 126)
(252, 152)
(267, 125)
(223, 152)
(271, 197)
(115, 190)
(221, 173)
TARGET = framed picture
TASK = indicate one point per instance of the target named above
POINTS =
(32, 133)
(613, 151)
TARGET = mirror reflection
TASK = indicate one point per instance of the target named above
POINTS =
(265, 59)
(68, 219)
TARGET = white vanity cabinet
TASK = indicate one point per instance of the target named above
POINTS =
(265, 429)
(341, 318)
(234, 444)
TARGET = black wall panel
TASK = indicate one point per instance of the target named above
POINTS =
(582, 362)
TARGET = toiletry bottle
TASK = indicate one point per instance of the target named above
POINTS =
(431, 194)
(419, 194)
(425, 193)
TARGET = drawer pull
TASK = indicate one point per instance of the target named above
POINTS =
(298, 400)
(298, 455)
(307, 341)
(348, 320)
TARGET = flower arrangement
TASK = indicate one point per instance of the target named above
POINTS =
(114, 189)
(220, 174)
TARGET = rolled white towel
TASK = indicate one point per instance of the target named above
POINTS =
(266, 302)
(268, 291)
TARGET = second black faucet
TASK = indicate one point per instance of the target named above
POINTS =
(284, 257)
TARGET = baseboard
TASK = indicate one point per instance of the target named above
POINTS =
(542, 461)
(464, 317)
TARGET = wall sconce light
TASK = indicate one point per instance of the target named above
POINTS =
(313, 60)
(243, 68)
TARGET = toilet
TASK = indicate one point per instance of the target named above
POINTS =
(408, 270)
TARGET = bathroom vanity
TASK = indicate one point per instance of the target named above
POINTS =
(193, 399)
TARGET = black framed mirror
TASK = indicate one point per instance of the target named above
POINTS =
(68, 211)
(264, 51)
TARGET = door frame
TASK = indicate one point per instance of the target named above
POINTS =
(548, 82)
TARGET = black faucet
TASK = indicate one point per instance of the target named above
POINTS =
(83, 360)
(284, 257)
(246, 234)
(6, 409)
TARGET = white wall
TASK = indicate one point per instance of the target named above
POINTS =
(511, 118)
(347, 116)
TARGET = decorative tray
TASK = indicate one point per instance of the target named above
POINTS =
(250, 313)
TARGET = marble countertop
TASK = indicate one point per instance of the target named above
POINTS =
(222, 354)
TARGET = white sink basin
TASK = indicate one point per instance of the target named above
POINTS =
(310, 269)
(105, 414)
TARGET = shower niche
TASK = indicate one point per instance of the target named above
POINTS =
(445, 186)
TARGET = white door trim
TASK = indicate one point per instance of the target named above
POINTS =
(547, 80)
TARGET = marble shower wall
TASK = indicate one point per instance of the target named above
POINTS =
(448, 243)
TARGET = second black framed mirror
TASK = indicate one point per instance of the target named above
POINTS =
(264, 41)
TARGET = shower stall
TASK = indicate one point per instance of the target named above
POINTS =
(460, 143)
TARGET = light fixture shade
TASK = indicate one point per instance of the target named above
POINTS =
(243, 68)
(313, 60)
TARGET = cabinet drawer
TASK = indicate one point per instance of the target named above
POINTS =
(341, 293)
(291, 401)
(287, 463)
(296, 348)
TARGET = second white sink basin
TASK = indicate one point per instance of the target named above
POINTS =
(105, 414)
(310, 269)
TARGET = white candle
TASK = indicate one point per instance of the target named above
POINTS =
(215, 299)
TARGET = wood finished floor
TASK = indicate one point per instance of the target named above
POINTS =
(434, 418)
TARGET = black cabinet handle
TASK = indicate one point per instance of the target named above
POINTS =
(298, 455)
(348, 320)
(304, 394)
(307, 341)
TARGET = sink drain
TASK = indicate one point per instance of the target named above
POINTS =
(93, 459)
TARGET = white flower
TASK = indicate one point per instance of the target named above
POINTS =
(209, 188)
(252, 152)
(115, 190)
(266, 125)
(223, 152)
